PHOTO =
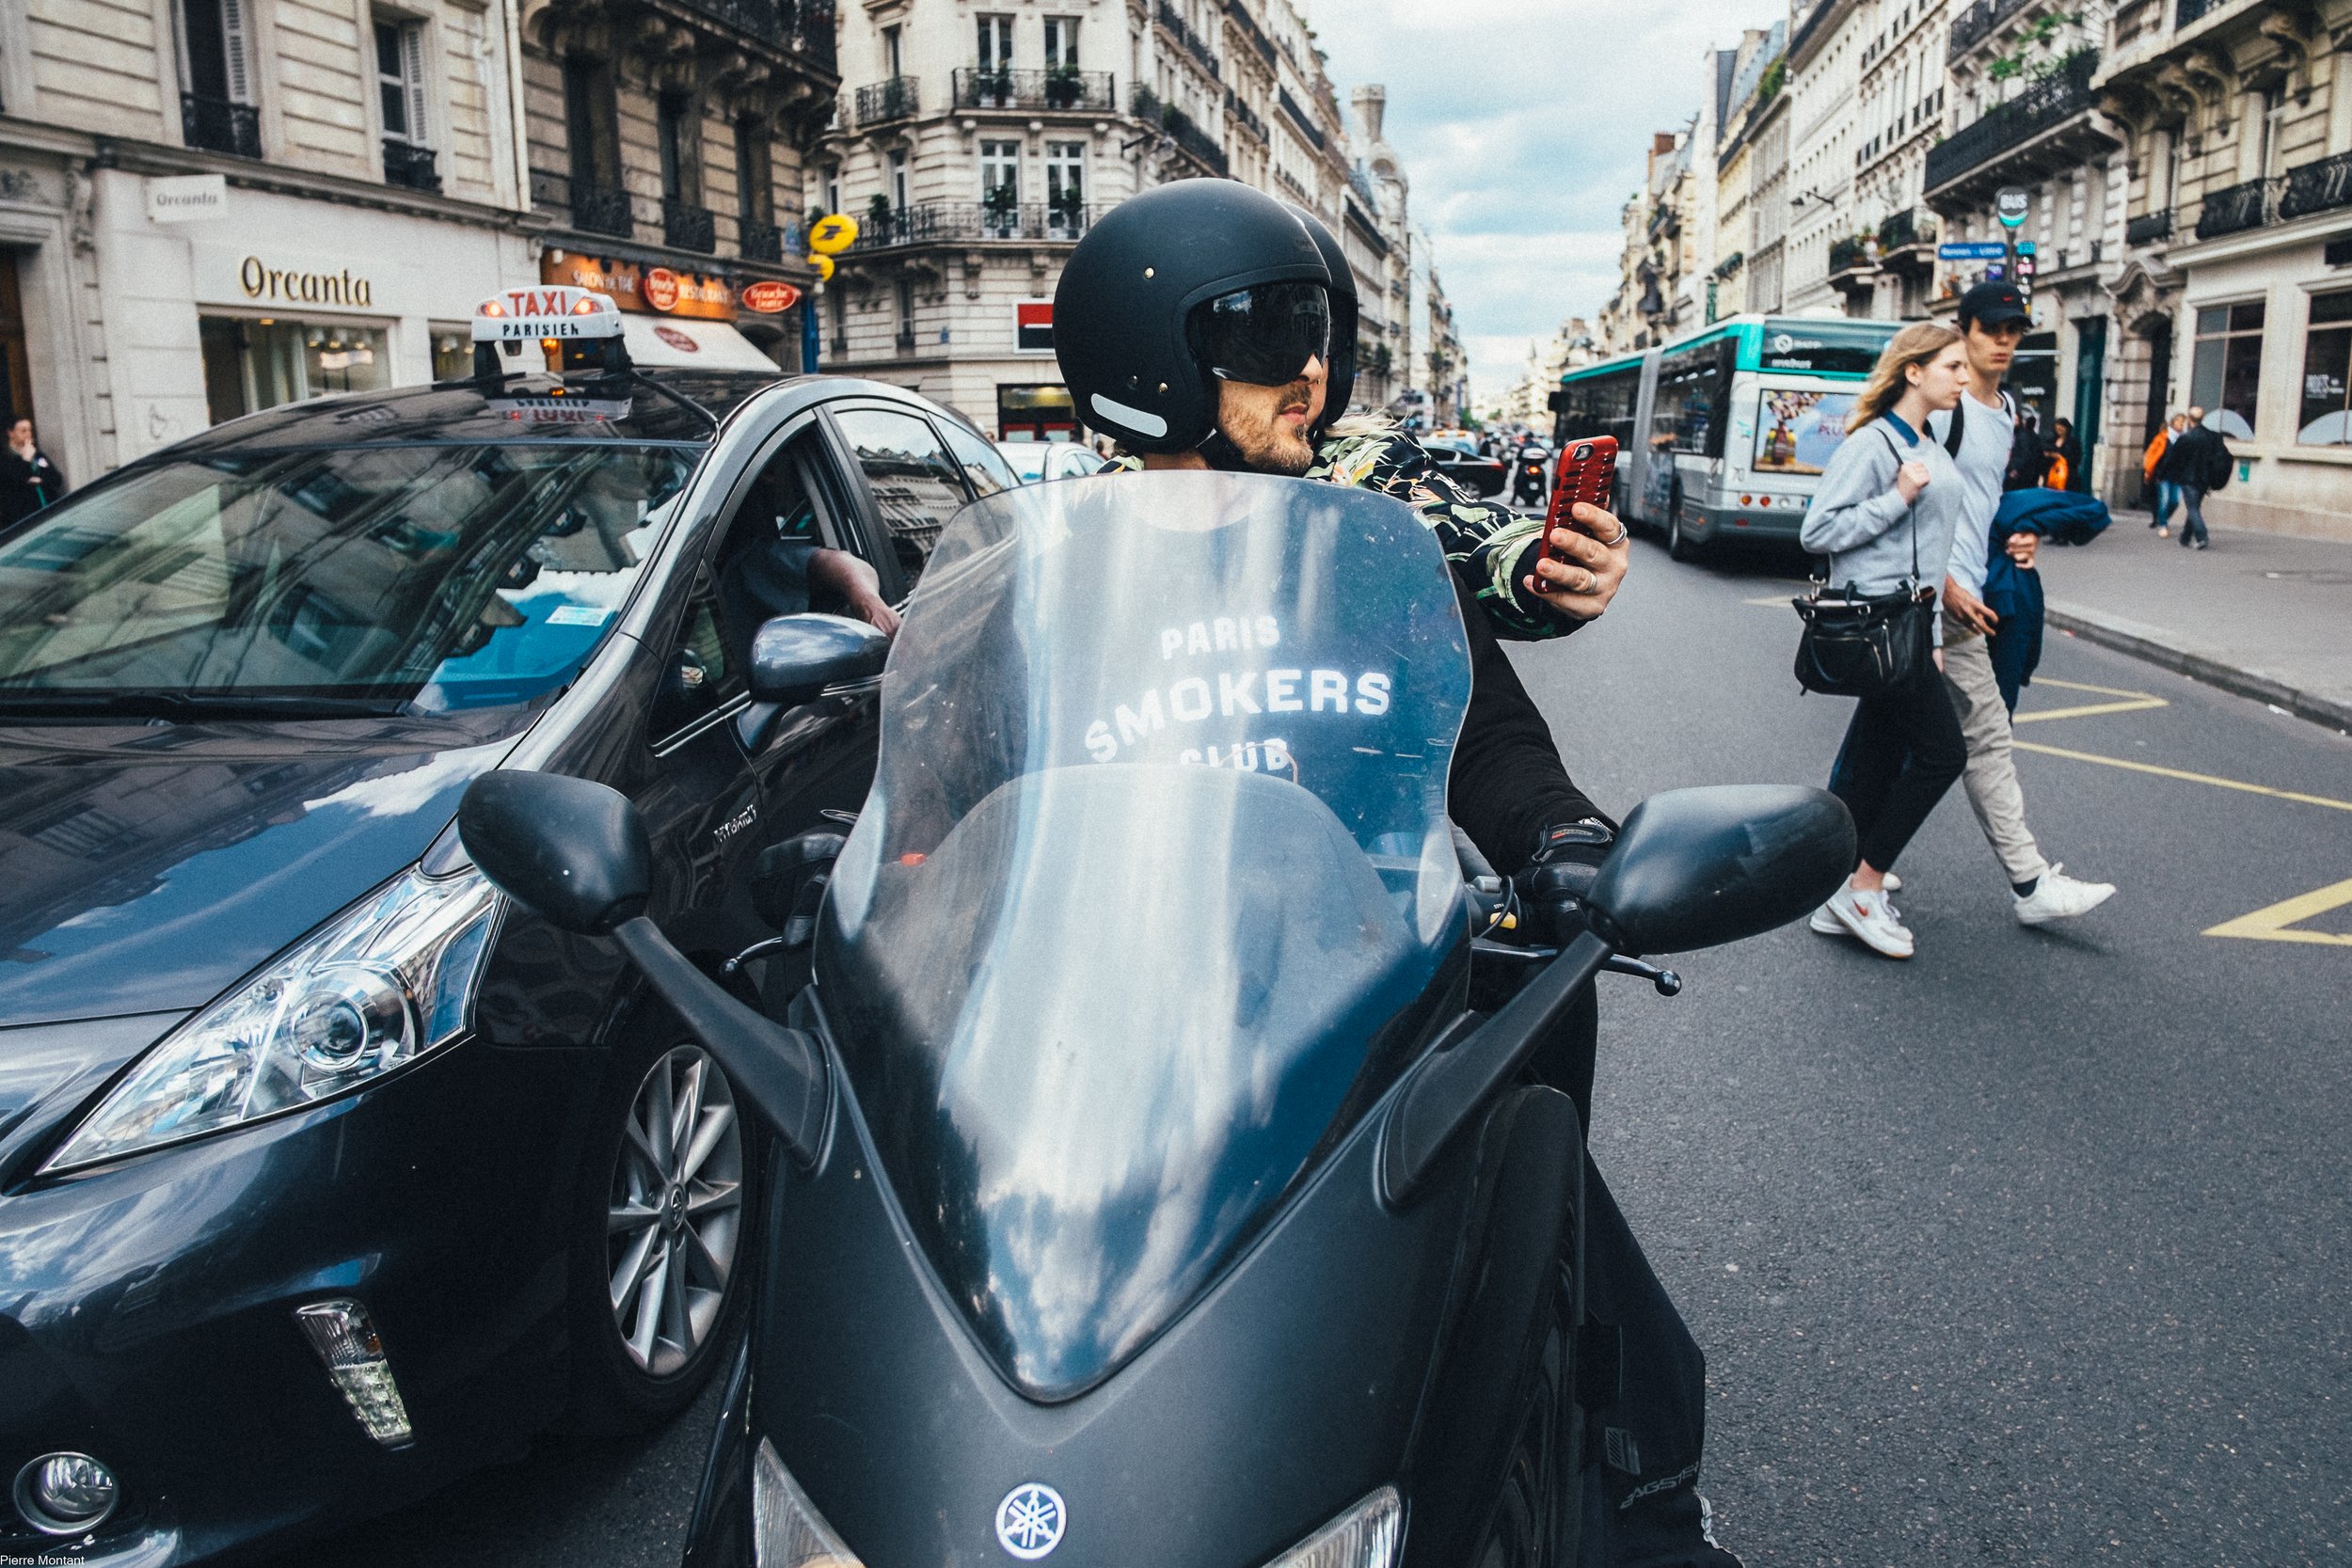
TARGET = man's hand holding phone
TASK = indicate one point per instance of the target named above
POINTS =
(1577, 574)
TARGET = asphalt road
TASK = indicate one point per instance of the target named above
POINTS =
(2033, 1250)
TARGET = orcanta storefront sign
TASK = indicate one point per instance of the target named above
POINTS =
(642, 290)
(281, 286)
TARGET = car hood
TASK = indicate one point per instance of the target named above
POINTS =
(145, 867)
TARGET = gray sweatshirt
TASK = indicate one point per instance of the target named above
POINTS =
(1858, 518)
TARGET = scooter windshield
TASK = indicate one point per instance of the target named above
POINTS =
(1155, 893)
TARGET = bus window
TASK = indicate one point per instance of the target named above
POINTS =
(1797, 429)
(1694, 398)
(1598, 405)
(1822, 347)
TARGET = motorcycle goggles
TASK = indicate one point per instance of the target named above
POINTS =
(1263, 335)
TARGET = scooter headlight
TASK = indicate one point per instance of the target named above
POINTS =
(382, 984)
(1366, 1536)
(786, 1529)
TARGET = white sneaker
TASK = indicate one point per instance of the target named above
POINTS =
(2058, 896)
(1894, 883)
(1825, 921)
(1868, 916)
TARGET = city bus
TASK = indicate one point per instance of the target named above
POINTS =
(1734, 422)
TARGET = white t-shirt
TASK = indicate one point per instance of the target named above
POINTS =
(1985, 437)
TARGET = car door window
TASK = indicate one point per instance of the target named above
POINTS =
(917, 486)
(702, 678)
(767, 549)
(984, 468)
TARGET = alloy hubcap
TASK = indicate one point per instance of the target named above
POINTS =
(675, 1214)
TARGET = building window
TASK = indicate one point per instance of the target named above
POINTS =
(754, 171)
(400, 88)
(2274, 110)
(995, 44)
(1000, 189)
(2326, 417)
(591, 117)
(452, 353)
(250, 365)
(898, 194)
(2226, 375)
(1065, 184)
(906, 315)
(893, 51)
(679, 125)
(216, 109)
(1061, 44)
(833, 190)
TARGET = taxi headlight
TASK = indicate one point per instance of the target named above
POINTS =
(1366, 1536)
(384, 983)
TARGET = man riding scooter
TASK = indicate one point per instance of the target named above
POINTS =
(1204, 326)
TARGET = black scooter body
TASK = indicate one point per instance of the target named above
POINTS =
(1351, 1346)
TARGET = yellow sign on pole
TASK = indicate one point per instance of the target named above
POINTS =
(832, 234)
(824, 268)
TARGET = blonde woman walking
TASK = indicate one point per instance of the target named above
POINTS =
(1884, 515)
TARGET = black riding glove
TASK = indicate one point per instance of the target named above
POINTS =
(1556, 880)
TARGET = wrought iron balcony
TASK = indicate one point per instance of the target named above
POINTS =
(1976, 22)
(957, 222)
(1198, 144)
(1077, 92)
(685, 228)
(2317, 187)
(1905, 229)
(1237, 110)
(906, 339)
(2235, 209)
(407, 164)
(603, 210)
(1851, 263)
(1238, 14)
(1301, 118)
(2187, 11)
(802, 27)
(2149, 227)
(217, 125)
(2051, 101)
(759, 242)
(1195, 45)
(884, 101)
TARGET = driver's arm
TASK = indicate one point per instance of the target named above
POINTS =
(854, 579)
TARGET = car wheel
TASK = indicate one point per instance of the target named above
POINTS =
(661, 1238)
(1536, 1521)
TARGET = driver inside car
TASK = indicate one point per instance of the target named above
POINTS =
(1203, 324)
(773, 564)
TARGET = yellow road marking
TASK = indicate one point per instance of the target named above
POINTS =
(2276, 922)
(2131, 702)
(2183, 775)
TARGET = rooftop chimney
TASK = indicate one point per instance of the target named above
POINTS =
(1371, 105)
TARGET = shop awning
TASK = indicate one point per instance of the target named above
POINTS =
(668, 343)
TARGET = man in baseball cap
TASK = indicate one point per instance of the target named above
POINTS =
(1979, 433)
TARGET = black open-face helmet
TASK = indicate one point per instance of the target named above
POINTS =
(1176, 287)
(1346, 308)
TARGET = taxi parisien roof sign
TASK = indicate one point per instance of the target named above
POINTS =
(546, 310)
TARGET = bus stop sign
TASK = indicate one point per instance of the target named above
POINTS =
(2011, 205)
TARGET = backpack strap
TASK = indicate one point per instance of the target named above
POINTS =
(1879, 425)
(1951, 441)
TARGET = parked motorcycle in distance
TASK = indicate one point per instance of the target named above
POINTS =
(1143, 1189)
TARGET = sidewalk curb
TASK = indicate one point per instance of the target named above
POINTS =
(2139, 641)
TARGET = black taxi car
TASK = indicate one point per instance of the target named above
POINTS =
(326, 1174)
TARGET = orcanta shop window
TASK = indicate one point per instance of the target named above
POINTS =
(250, 364)
(2326, 417)
(2225, 378)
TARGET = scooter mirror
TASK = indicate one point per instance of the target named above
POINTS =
(568, 849)
(1700, 868)
(794, 657)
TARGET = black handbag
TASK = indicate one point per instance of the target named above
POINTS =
(1866, 644)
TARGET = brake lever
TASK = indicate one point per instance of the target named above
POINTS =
(1666, 980)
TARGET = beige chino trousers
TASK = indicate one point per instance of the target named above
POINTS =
(1991, 779)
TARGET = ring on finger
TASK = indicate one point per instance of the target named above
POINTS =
(1622, 532)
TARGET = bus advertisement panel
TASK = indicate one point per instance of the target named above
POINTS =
(1797, 428)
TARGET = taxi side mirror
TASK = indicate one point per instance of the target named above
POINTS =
(570, 851)
(795, 657)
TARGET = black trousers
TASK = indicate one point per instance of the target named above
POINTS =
(1902, 751)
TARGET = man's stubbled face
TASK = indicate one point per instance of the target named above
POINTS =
(1268, 425)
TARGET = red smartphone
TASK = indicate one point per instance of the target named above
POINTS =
(1588, 470)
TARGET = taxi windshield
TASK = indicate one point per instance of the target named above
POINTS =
(447, 577)
(1154, 894)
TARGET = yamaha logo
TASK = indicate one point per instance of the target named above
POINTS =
(1030, 1520)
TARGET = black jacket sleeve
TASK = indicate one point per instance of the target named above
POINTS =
(1508, 783)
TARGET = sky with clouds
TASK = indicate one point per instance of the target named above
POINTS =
(1524, 125)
